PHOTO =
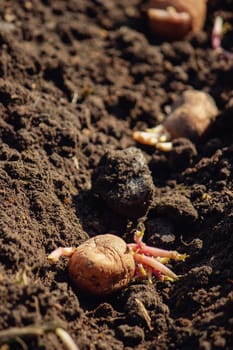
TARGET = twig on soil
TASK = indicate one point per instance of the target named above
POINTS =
(144, 313)
(38, 330)
(21, 342)
(66, 338)
(22, 277)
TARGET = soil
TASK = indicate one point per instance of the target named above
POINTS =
(76, 78)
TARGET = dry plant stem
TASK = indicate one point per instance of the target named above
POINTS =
(38, 330)
(144, 313)
(20, 342)
(66, 339)
(15, 332)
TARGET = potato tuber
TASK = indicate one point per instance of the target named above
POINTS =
(105, 263)
(190, 117)
(176, 19)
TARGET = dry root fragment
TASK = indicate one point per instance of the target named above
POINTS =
(16, 333)
(191, 116)
(105, 263)
(176, 19)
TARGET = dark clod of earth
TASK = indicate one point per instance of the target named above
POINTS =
(124, 182)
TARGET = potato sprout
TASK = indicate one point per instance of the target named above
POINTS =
(106, 263)
(218, 31)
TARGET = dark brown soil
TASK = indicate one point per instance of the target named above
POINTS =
(76, 77)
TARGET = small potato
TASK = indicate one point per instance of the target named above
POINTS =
(105, 263)
(191, 115)
(102, 265)
(176, 19)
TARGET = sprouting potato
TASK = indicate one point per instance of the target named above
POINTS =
(176, 19)
(191, 116)
(101, 265)
(106, 263)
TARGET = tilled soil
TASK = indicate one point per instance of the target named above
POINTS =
(76, 78)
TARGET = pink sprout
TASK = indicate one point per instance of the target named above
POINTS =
(217, 35)
(151, 260)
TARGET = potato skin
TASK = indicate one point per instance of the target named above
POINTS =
(102, 265)
(191, 115)
(170, 31)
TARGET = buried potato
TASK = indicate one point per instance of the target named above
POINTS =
(106, 263)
